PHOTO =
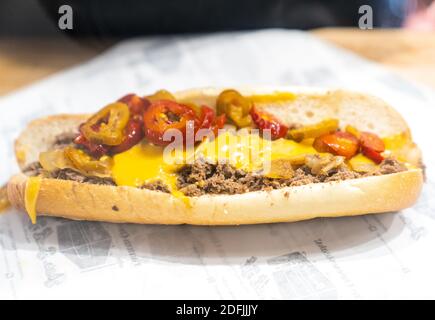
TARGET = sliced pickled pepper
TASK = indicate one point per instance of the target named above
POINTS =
(235, 107)
(107, 125)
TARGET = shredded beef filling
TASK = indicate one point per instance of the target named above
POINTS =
(35, 169)
(203, 178)
(390, 166)
(32, 170)
(156, 186)
(69, 174)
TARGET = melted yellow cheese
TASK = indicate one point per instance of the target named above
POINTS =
(4, 205)
(144, 163)
(250, 152)
(361, 163)
(140, 164)
(31, 196)
(401, 147)
(397, 141)
(273, 97)
(4, 201)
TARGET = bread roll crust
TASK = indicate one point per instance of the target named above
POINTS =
(82, 201)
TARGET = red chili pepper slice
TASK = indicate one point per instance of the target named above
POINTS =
(219, 123)
(372, 141)
(136, 104)
(134, 130)
(372, 154)
(208, 120)
(338, 143)
(134, 134)
(94, 149)
(163, 115)
(372, 146)
(264, 120)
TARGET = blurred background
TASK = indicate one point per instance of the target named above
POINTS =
(32, 45)
(126, 18)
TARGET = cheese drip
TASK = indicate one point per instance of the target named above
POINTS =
(31, 196)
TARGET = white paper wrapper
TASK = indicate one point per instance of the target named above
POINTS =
(374, 256)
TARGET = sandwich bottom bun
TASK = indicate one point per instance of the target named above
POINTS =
(82, 201)
(374, 194)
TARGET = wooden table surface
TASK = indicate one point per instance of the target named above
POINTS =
(25, 60)
(410, 53)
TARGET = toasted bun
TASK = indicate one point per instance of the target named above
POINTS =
(375, 194)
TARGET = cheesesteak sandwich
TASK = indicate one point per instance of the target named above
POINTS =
(219, 157)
